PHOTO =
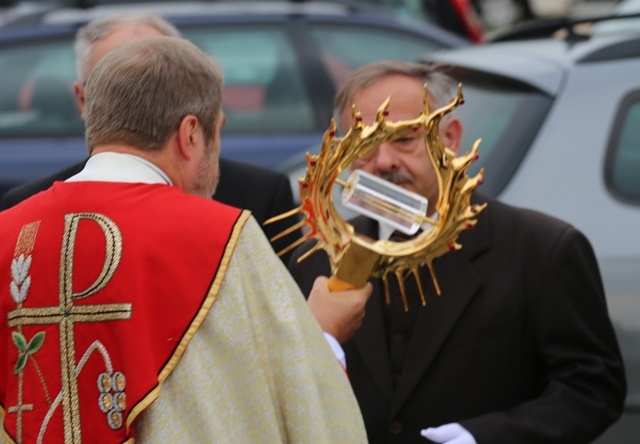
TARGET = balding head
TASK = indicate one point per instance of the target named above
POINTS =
(99, 37)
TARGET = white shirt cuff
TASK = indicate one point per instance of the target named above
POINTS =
(337, 349)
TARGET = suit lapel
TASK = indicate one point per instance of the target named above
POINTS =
(436, 320)
(459, 281)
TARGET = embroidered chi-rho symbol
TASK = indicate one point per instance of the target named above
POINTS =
(66, 315)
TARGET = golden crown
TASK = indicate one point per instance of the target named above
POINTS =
(378, 258)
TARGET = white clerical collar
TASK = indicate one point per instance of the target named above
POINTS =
(120, 167)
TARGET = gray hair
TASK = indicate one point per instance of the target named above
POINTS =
(440, 85)
(96, 30)
(138, 94)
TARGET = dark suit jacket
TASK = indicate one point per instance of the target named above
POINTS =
(518, 348)
(264, 192)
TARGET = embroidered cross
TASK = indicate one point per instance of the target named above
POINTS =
(66, 314)
(20, 408)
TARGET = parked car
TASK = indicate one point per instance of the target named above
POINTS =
(281, 61)
(471, 18)
(624, 18)
(630, 25)
(560, 129)
(458, 16)
(497, 14)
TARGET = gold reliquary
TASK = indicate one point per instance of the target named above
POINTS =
(354, 258)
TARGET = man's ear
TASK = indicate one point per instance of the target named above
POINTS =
(189, 135)
(78, 93)
(451, 133)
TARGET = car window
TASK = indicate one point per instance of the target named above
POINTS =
(264, 89)
(505, 115)
(36, 95)
(345, 48)
(623, 158)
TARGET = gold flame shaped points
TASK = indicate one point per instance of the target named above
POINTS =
(335, 235)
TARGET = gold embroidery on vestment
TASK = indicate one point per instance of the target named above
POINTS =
(26, 239)
(19, 289)
(112, 400)
(66, 314)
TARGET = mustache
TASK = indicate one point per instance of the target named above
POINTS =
(396, 176)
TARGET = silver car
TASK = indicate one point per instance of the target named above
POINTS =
(560, 126)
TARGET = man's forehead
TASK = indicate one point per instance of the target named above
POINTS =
(401, 106)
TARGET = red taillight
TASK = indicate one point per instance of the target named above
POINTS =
(470, 20)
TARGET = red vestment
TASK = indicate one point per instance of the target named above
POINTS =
(102, 285)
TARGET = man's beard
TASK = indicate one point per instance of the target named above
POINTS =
(208, 174)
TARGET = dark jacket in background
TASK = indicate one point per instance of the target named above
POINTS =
(519, 347)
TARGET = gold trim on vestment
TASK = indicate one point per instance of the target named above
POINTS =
(198, 319)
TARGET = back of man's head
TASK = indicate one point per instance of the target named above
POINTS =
(98, 29)
(137, 95)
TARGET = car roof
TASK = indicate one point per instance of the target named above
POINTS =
(194, 12)
(176, 9)
(540, 63)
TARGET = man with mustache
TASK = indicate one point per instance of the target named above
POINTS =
(519, 348)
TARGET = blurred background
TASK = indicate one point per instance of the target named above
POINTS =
(460, 16)
(552, 88)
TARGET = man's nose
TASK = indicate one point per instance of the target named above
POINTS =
(386, 158)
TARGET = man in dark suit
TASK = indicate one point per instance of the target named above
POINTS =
(266, 193)
(518, 349)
